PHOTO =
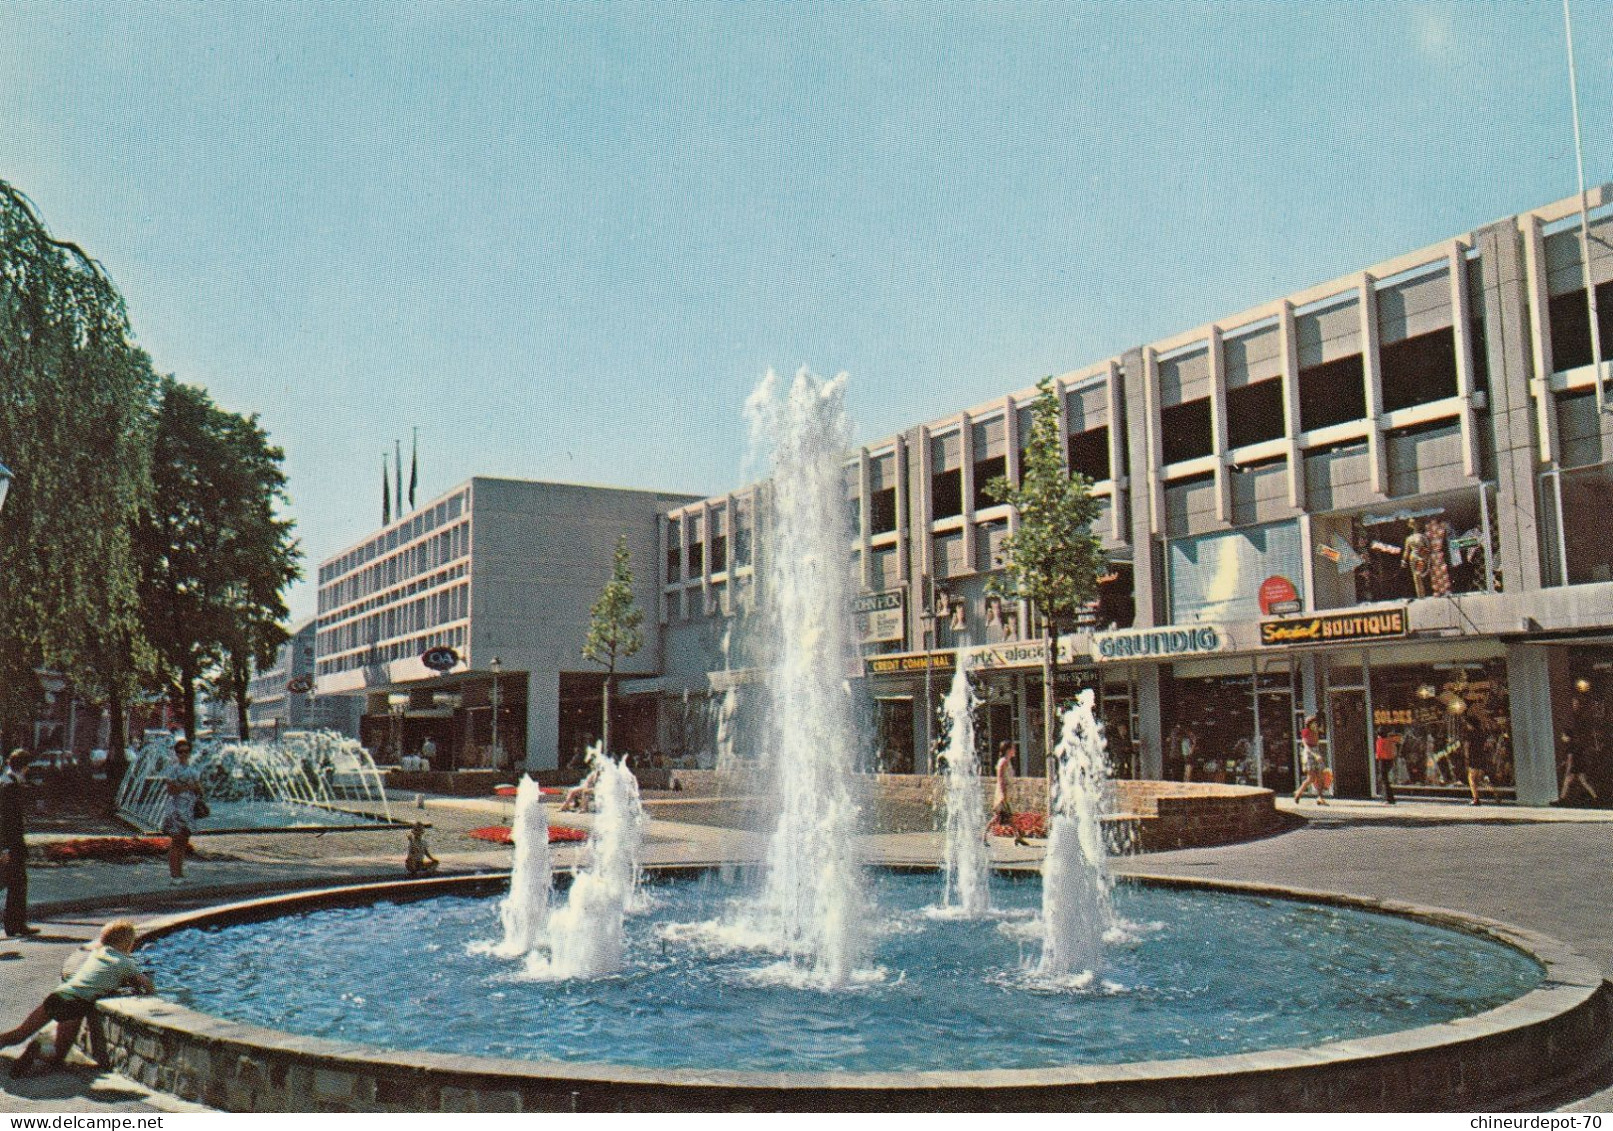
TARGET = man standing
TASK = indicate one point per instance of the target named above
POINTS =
(13, 847)
(1384, 754)
(428, 753)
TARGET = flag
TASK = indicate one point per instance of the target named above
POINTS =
(414, 467)
(397, 470)
(386, 493)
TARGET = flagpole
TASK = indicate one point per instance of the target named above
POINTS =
(1584, 215)
(414, 465)
(397, 470)
(386, 493)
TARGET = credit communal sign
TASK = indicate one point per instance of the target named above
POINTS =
(1160, 643)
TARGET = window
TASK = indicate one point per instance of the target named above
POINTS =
(949, 560)
(719, 540)
(674, 551)
(1571, 327)
(989, 537)
(946, 479)
(1419, 370)
(882, 511)
(1089, 454)
(1186, 432)
(1255, 413)
(1333, 392)
(991, 458)
(742, 533)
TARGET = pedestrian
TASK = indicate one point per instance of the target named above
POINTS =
(13, 844)
(428, 754)
(418, 860)
(1002, 811)
(179, 810)
(1310, 760)
(1384, 755)
(108, 969)
(1478, 770)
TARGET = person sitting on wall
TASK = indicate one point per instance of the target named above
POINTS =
(418, 861)
(580, 797)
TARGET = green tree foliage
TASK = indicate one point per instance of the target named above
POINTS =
(75, 397)
(215, 557)
(613, 628)
(1053, 560)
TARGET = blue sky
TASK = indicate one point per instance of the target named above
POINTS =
(566, 240)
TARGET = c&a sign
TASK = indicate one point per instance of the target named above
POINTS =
(1337, 628)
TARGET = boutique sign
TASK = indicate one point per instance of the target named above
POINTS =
(1337, 629)
(1160, 643)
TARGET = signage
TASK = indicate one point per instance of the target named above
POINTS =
(439, 659)
(1016, 654)
(300, 684)
(1160, 643)
(1278, 595)
(879, 616)
(1337, 628)
(919, 662)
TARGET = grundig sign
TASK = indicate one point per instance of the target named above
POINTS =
(1334, 629)
(1159, 643)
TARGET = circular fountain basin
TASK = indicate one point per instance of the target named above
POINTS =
(1215, 999)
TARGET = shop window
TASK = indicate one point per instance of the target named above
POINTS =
(1447, 723)
(946, 494)
(1217, 577)
(1571, 327)
(1186, 431)
(1333, 392)
(1419, 370)
(1431, 550)
(1255, 413)
(1089, 454)
(882, 511)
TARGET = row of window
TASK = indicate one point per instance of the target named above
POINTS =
(402, 534)
(397, 650)
(435, 551)
(402, 593)
(695, 557)
(432, 609)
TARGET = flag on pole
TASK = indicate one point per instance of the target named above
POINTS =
(397, 470)
(414, 467)
(386, 493)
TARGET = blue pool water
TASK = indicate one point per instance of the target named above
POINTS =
(1199, 974)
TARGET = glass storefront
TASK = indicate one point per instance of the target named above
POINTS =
(1450, 724)
(1584, 746)
(1429, 547)
(1234, 729)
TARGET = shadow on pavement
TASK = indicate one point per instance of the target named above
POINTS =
(75, 1082)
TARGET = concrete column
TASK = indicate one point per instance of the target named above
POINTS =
(1218, 426)
(1119, 473)
(1462, 338)
(1288, 330)
(1538, 291)
(966, 476)
(1534, 729)
(1144, 477)
(543, 717)
(1372, 375)
(1512, 414)
(865, 482)
(1150, 729)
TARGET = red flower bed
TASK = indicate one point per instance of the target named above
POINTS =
(1027, 824)
(558, 834)
(509, 791)
(107, 848)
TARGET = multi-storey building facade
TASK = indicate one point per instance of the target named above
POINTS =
(496, 578)
(1378, 502)
(282, 695)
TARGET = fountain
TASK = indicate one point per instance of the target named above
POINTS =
(879, 1003)
(811, 905)
(525, 911)
(967, 865)
(586, 937)
(1076, 910)
(305, 779)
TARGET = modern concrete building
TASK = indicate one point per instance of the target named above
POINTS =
(282, 695)
(498, 576)
(1379, 502)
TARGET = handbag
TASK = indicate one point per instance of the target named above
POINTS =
(201, 811)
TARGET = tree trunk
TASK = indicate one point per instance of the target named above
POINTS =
(187, 702)
(117, 733)
(604, 729)
(1050, 676)
(242, 703)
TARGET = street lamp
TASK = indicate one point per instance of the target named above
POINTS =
(398, 702)
(496, 757)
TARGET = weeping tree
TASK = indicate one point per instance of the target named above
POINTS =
(75, 398)
(613, 627)
(215, 557)
(1053, 560)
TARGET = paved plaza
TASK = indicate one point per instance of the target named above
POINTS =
(1544, 869)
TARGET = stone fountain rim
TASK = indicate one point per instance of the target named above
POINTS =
(1570, 982)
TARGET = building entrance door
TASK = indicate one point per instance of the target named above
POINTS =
(894, 755)
(1347, 729)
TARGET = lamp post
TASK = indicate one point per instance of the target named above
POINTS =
(496, 755)
(398, 703)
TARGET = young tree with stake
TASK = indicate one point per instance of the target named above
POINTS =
(613, 630)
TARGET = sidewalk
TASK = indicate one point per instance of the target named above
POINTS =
(1544, 869)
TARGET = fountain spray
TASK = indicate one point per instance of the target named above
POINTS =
(1076, 909)
(967, 866)
(526, 909)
